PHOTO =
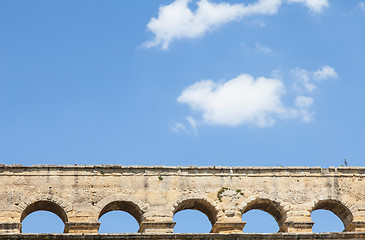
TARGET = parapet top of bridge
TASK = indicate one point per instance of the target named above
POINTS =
(107, 169)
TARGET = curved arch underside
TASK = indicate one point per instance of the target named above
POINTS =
(200, 205)
(337, 208)
(45, 206)
(126, 206)
(269, 206)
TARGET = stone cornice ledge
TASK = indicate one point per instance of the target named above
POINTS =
(187, 170)
(184, 236)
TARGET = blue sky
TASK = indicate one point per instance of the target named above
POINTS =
(79, 85)
(238, 83)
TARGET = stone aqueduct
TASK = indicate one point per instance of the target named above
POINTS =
(80, 195)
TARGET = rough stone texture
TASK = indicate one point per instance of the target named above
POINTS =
(185, 236)
(80, 195)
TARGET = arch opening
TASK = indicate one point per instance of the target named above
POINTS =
(270, 207)
(258, 221)
(125, 206)
(191, 221)
(201, 205)
(42, 222)
(42, 207)
(326, 221)
(117, 221)
(337, 208)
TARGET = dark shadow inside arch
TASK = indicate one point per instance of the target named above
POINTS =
(125, 206)
(271, 207)
(338, 209)
(44, 206)
(201, 205)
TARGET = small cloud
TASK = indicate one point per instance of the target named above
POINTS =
(263, 48)
(315, 6)
(303, 111)
(361, 6)
(178, 127)
(246, 100)
(242, 100)
(192, 123)
(177, 20)
(304, 79)
(276, 74)
(257, 48)
(324, 73)
(261, 24)
(191, 126)
(303, 101)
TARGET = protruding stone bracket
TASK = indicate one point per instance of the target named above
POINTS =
(10, 227)
(82, 227)
(300, 226)
(228, 227)
(355, 226)
(156, 227)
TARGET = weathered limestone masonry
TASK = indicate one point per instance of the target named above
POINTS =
(186, 236)
(80, 195)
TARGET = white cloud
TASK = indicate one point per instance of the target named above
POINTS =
(242, 100)
(303, 105)
(305, 80)
(324, 73)
(263, 48)
(178, 127)
(192, 123)
(178, 21)
(246, 100)
(190, 127)
(257, 47)
(303, 101)
(361, 6)
(315, 6)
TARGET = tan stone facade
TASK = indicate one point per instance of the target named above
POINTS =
(186, 236)
(80, 195)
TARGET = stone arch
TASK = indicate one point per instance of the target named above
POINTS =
(44, 203)
(337, 207)
(197, 202)
(49, 203)
(125, 203)
(272, 207)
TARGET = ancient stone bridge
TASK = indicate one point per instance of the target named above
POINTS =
(80, 195)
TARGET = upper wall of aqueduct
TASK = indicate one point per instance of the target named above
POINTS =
(80, 195)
